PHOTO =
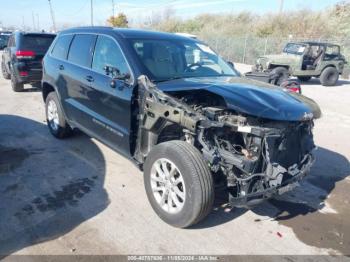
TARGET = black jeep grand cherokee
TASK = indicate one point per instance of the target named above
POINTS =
(182, 114)
(21, 59)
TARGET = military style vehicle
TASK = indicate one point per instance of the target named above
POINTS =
(305, 60)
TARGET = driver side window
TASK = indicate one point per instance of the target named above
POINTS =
(108, 53)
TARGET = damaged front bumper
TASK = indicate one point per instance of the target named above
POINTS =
(252, 199)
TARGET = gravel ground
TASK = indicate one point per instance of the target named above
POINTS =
(79, 197)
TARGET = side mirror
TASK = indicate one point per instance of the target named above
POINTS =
(232, 65)
(115, 73)
(121, 77)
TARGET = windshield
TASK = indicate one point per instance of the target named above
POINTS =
(295, 49)
(171, 59)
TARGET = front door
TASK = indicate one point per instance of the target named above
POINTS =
(110, 104)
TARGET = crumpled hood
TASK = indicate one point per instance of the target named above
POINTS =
(250, 97)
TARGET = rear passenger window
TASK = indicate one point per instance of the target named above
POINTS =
(80, 51)
(62, 46)
(108, 53)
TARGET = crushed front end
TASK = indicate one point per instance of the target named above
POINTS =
(255, 157)
(258, 158)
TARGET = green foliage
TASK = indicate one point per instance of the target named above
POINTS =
(304, 23)
(245, 36)
(118, 21)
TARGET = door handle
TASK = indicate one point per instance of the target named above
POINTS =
(89, 79)
(61, 67)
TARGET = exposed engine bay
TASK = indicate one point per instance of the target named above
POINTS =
(256, 157)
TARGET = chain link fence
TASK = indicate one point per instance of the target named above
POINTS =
(247, 49)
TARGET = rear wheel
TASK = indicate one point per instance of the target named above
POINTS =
(16, 86)
(329, 76)
(304, 78)
(281, 74)
(5, 74)
(178, 183)
(56, 121)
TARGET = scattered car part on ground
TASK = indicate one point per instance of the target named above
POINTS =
(276, 79)
(22, 58)
(292, 85)
(305, 60)
(182, 114)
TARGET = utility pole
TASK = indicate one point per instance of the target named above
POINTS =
(23, 26)
(52, 16)
(38, 22)
(281, 6)
(92, 12)
(113, 8)
(33, 21)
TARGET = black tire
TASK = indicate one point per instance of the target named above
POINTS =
(16, 86)
(329, 76)
(198, 182)
(280, 74)
(5, 74)
(304, 78)
(62, 129)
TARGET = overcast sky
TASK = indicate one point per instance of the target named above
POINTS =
(77, 12)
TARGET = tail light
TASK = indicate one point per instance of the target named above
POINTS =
(24, 54)
(23, 73)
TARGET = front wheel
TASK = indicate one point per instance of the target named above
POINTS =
(56, 121)
(329, 76)
(178, 183)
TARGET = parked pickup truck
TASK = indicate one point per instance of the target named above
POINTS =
(182, 114)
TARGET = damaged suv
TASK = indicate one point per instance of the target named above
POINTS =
(182, 114)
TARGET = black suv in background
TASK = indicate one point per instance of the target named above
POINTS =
(182, 114)
(4, 37)
(22, 58)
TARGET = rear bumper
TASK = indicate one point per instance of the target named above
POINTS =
(25, 74)
(255, 198)
(32, 77)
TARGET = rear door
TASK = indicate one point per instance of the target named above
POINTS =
(110, 105)
(56, 66)
(77, 71)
